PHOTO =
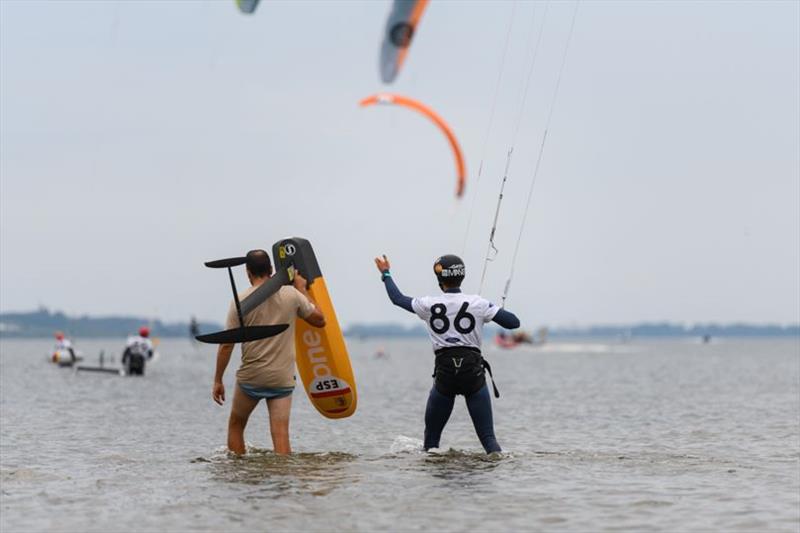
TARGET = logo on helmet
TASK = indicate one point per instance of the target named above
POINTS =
(449, 269)
(453, 271)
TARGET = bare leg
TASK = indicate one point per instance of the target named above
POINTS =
(243, 405)
(279, 410)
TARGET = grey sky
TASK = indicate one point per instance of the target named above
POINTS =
(139, 139)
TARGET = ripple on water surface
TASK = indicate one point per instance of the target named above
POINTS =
(597, 436)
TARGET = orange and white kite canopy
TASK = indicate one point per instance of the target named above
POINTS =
(396, 99)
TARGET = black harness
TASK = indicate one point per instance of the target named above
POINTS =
(461, 370)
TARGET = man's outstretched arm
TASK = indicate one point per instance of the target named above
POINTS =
(398, 298)
(506, 319)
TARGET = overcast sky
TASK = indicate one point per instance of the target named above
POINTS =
(139, 139)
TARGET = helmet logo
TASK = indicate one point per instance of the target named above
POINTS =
(449, 269)
(454, 271)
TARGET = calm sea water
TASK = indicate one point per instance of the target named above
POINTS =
(656, 436)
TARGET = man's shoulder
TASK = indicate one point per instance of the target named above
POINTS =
(288, 295)
(246, 292)
(288, 291)
(424, 300)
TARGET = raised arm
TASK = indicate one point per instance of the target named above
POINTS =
(398, 298)
(506, 319)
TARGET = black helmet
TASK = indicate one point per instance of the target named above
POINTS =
(449, 270)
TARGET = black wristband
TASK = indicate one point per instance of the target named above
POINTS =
(385, 274)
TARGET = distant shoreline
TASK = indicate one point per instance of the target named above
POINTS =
(43, 323)
(643, 330)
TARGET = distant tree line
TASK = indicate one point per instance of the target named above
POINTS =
(43, 323)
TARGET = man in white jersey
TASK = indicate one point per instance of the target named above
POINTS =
(455, 324)
(138, 350)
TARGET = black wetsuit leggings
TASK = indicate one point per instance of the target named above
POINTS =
(479, 405)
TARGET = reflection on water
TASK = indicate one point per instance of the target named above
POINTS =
(461, 466)
(283, 475)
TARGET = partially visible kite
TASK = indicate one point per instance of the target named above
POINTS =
(400, 27)
(396, 99)
(247, 6)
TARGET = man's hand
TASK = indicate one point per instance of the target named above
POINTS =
(218, 392)
(300, 283)
(382, 263)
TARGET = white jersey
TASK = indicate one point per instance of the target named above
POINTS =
(454, 318)
(140, 345)
(63, 344)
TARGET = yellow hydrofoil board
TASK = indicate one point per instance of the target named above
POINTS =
(322, 359)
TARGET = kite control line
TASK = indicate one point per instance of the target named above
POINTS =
(489, 128)
(491, 251)
(539, 156)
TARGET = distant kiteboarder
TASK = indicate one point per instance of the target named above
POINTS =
(63, 352)
(455, 323)
(138, 350)
(194, 329)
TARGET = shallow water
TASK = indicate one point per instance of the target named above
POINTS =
(656, 436)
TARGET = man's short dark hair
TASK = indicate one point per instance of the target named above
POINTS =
(258, 263)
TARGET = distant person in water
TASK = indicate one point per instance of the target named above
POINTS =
(194, 329)
(267, 369)
(63, 346)
(455, 323)
(138, 350)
